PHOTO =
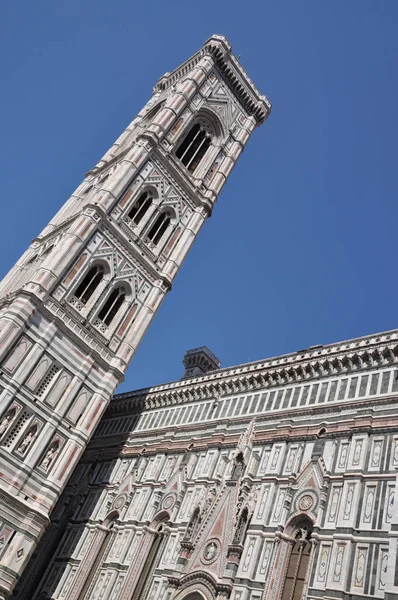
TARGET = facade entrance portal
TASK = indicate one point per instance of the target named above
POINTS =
(297, 567)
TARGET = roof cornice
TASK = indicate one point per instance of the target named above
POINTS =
(320, 361)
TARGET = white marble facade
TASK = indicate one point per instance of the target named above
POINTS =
(76, 305)
(270, 480)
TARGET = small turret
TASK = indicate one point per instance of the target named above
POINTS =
(199, 361)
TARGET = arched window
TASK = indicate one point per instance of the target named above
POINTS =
(112, 305)
(193, 147)
(89, 284)
(140, 208)
(159, 227)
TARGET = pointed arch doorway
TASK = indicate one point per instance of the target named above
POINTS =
(296, 573)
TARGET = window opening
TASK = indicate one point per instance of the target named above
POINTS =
(112, 305)
(48, 250)
(87, 190)
(193, 147)
(89, 284)
(140, 208)
(31, 260)
(159, 227)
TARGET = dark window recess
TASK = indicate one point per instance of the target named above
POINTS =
(111, 306)
(159, 227)
(90, 282)
(47, 251)
(140, 208)
(193, 147)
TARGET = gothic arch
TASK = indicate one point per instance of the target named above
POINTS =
(150, 189)
(208, 114)
(110, 518)
(96, 262)
(296, 521)
(195, 594)
(199, 142)
(200, 583)
(162, 517)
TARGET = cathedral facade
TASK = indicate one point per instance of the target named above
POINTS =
(268, 480)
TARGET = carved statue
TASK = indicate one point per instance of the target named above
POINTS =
(6, 422)
(49, 457)
(27, 440)
(193, 525)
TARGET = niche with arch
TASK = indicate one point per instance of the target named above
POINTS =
(241, 527)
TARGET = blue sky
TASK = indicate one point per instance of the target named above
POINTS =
(302, 245)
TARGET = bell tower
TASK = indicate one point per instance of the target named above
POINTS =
(76, 305)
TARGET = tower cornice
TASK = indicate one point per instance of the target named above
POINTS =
(219, 48)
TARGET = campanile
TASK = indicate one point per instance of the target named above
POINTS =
(76, 305)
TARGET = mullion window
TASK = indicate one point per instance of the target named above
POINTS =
(140, 208)
(194, 147)
(187, 141)
(89, 284)
(111, 306)
(199, 154)
(159, 228)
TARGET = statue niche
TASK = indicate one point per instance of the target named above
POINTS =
(238, 467)
(241, 527)
(193, 525)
